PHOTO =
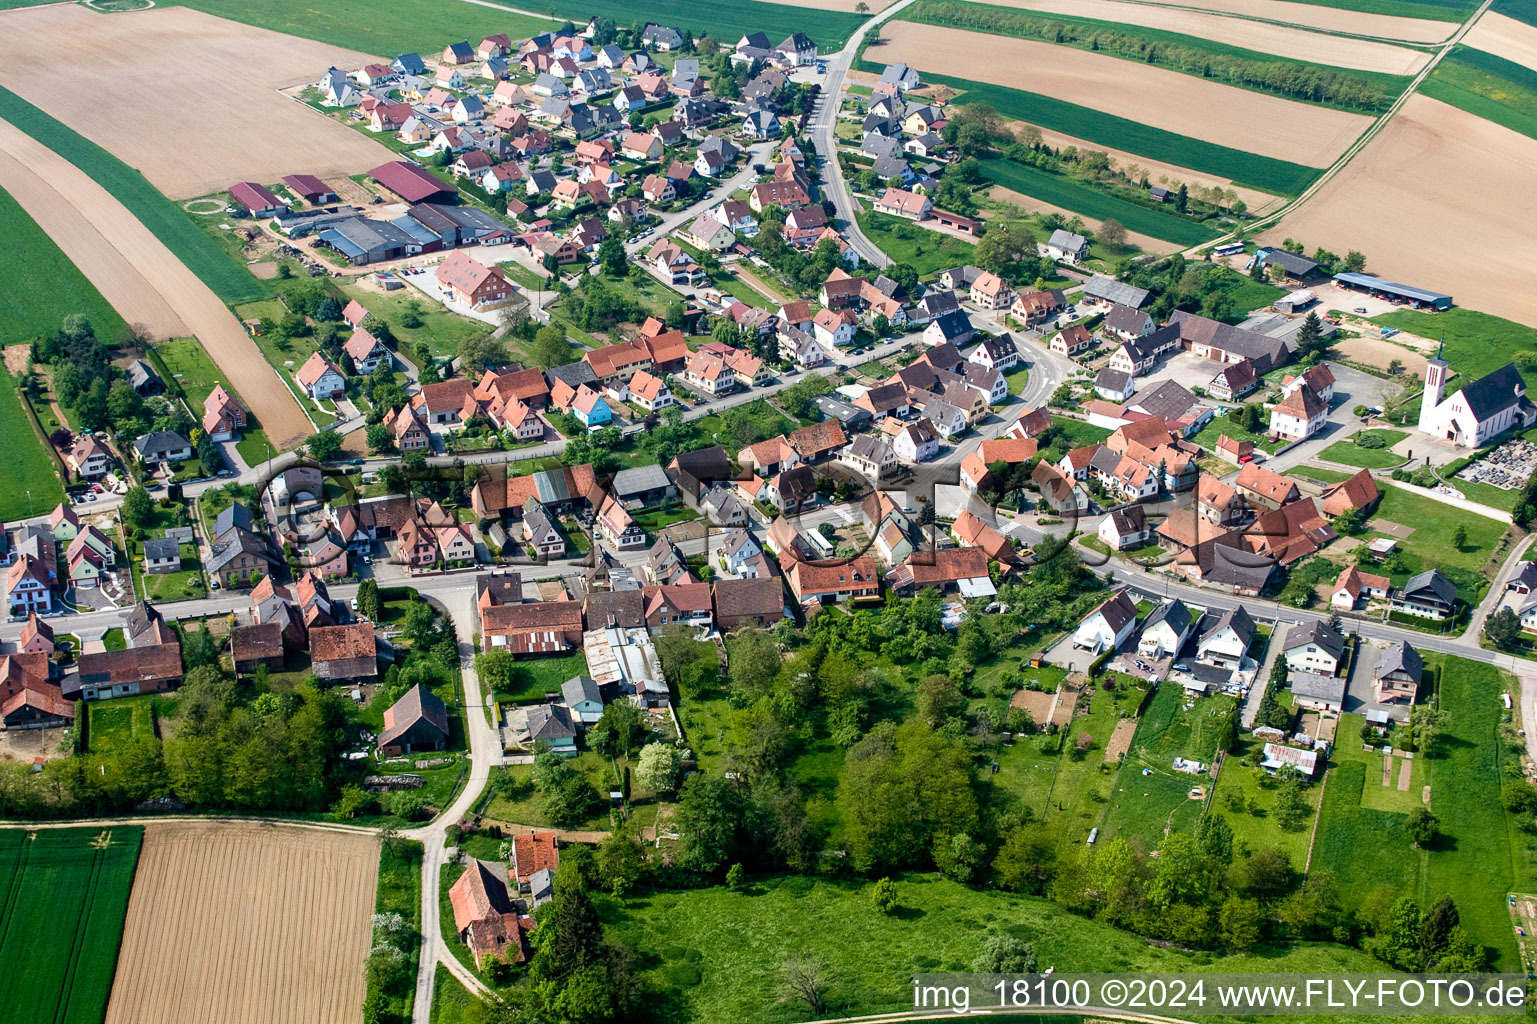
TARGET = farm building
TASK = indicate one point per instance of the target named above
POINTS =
(1393, 291)
(411, 182)
(416, 722)
(310, 188)
(256, 199)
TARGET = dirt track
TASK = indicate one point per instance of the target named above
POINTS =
(128, 264)
(1280, 40)
(1505, 37)
(240, 923)
(1332, 19)
(188, 99)
(1202, 109)
(1435, 173)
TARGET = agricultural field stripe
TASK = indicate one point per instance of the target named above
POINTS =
(725, 20)
(1487, 86)
(220, 271)
(1521, 10)
(1059, 190)
(1249, 169)
(1014, 22)
(41, 285)
(1425, 10)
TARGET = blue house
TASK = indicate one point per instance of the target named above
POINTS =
(582, 698)
(589, 407)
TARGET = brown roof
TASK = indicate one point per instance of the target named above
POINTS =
(134, 665)
(253, 643)
(1273, 486)
(340, 643)
(947, 565)
(749, 598)
(1358, 491)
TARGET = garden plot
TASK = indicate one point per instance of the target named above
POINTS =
(189, 99)
(1174, 102)
(1460, 175)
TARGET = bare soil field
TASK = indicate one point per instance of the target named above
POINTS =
(188, 99)
(1435, 172)
(1505, 37)
(1266, 37)
(137, 273)
(1333, 19)
(1029, 204)
(1201, 109)
(265, 924)
(1363, 348)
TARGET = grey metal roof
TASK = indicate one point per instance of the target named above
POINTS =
(1067, 241)
(161, 548)
(1391, 287)
(1113, 380)
(1110, 290)
(237, 514)
(640, 479)
(579, 688)
(1492, 394)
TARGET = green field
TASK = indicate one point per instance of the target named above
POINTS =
(1433, 10)
(1474, 343)
(61, 920)
(24, 462)
(534, 677)
(1253, 828)
(220, 271)
(1350, 453)
(1346, 827)
(1301, 80)
(1430, 543)
(1060, 190)
(400, 892)
(695, 950)
(726, 20)
(1490, 87)
(1147, 805)
(927, 252)
(1267, 173)
(440, 329)
(117, 723)
(1521, 10)
(41, 285)
(187, 364)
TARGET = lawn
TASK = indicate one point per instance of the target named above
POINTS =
(121, 721)
(1346, 827)
(1351, 453)
(1430, 545)
(1487, 86)
(1213, 431)
(32, 480)
(400, 892)
(186, 362)
(927, 252)
(1078, 433)
(1267, 173)
(654, 519)
(227, 276)
(1016, 379)
(524, 806)
(66, 895)
(440, 329)
(693, 950)
(1060, 190)
(1149, 805)
(452, 1003)
(534, 677)
(1253, 828)
(1374, 795)
(41, 285)
(1474, 343)
(1084, 34)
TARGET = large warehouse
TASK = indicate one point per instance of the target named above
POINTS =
(1416, 297)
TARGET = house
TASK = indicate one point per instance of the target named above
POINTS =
(153, 668)
(834, 327)
(660, 37)
(1263, 487)
(1313, 646)
(618, 527)
(1359, 491)
(1125, 527)
(28, 698)
(989, 292)
(901, 77)
(161, 555)
(1233, 381)
(416, 723)
(748, 602)
(27, 585)
(953, 327)
(1072, 341)
(649, 392)
(686, 604)
(162, 446)
(1114, 385)
(1290, 532)
(366, 351)
(1165, 630)
(789, 489)
(1060, 493)
(1218, 503)
(1396, 676)
(408, 430)
(344, 653)
(89, 457)
(535, 627)
(484, 916)
(1103, 290)
(474, 283)
(1277, 757)
(1226, 641)
(1108, 626)
(252, 647)
(1300, 415)
(1353, 584)
(1236, 452)
(257, 200)
(817, 442)
(1066, 247)
(1318, 377)
(1427, 596)
(223, 416)
(996, 353)
(915, 442)
(63, 523)
(855, 579)
(897, 202)
(36, 636)
(1315, 691)
(320, 378)
(1128, 323)
(870, 456)
(709, 234)
(1036, 307)
(976, 466)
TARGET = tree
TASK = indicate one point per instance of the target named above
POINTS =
(617, 732)
(883, 896)
(1182, 198)
(1024, 860)
(658, 767)
(1004, 954)
(1503, 629)
(379, 438)
(959, 857)
(1421, 826)
(1397, 941)
(1355, 262)
(550, 347)
(803, 978)
(752, 660)
(710, 817)
(1436, 930)
(408, 804)
(1003, 245)
(1460, 536)
(611, 254)
(1239, 921)
(939, 700)
(323, 445)
(1112, 233)
(368, 599)
(1291, 809)
(736, 878)
(138, 509)
(478, 352)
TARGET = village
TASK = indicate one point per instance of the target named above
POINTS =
(661, 455)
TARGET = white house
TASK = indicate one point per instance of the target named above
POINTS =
(916, 442)
(1107, 626)
(737, 549)
(1165, 631)
(834, 327)
(1065, 246)
(1299, 415)
(1478, 413)
(1125, 528)
(1226, 643)
(1314, 647)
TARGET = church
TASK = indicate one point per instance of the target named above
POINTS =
(1480, 412)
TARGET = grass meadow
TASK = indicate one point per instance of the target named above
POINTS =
(1474, 343)
(1490, 87)
(228, 278)
(1060, 190)
(61, 920)
(927, 252)
(1350, 453)
(1267, 173)
(24, 461)
(41, 285)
